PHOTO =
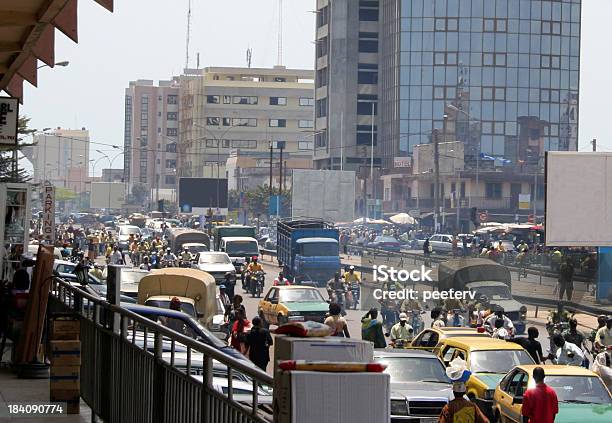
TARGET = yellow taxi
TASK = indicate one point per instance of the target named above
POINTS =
(488, 359)
(430, 339)
(582, 395)
(284, 304)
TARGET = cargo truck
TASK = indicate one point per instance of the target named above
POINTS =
(238, 241)
(307, 249)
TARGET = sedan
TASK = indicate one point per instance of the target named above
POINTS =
(217, 264)
(387, 243)
(283, 304)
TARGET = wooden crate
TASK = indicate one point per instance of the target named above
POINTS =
(65, 378)
(65, 353)
(63, 329)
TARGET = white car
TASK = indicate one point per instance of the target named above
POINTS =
(124, 233)
(216, 263)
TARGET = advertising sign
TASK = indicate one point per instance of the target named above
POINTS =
(197, 195)
(48, 217)
(402, 162)
(524, 201)
(9, 112)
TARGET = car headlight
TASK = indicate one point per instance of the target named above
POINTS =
(399, 408)
(488, 394)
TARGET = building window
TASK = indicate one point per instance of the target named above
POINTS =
(364, 134)
(252, 100)
(367, 73)
(171, 132)
(493, 190)
(321, 139)
(549, 96)
(213, 121)
(322, 47)
(244, 122)
(321, 108)
(306, 124)
(550, 61)
(368, 11)
(278, 123)
(365, 103)
(494, 93)
(211, 143)
(171, 164)
(280, 79)
(494, 59)
(278, 101)
(322, 17)
(226, 121)
(368, 42)
(447, 24)
(495, 25)
(321, 78)
(170, 180)
(305, 145)
(171, 148)
(446, 58)
(307, 101)
(212, 99)
(172, 116)
(551, 28)
(227, 99)
(172, 99)
(249, 144)
(444, 93)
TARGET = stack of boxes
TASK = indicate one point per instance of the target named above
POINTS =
(65, 357)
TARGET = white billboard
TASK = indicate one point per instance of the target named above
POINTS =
(326, 194)
(105, 195)
(578, 199)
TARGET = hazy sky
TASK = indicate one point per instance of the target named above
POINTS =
(145, 39)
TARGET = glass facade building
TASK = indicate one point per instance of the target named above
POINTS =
(505, 73)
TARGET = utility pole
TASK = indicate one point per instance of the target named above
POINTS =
(280, 171)
(594, 144)
(271, 158)
(436, 211)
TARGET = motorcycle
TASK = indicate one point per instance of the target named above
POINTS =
(258, 286)
(400, 344)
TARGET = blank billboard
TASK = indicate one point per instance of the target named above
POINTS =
(200, 194)
(326, 194)
(106, 195)
(578, 199)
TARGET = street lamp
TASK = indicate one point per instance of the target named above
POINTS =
(111, 166)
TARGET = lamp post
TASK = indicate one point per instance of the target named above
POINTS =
(111, 166)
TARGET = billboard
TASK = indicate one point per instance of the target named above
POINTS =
(107, 195)
(578, 199)
(326, 194)
(197, 195)
(9, 112)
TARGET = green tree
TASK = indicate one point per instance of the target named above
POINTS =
(10, 171)
(139, 193)
(258, 199)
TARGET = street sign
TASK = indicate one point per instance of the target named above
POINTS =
(484, 216)
(9, 114)
(48, 216)
(402, 162)
(524, 201)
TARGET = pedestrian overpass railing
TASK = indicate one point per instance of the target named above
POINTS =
(129, 370)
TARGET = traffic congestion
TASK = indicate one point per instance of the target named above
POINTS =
(234, 287)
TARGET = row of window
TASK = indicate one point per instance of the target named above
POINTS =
(248, 144)
(252, 122)
(253, 100)
(500, 26)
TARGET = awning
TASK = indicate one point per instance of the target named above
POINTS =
(27, 34)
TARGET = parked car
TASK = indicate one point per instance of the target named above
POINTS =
(190, 326)
(283, 304)
(419, 385)
(582, 395)
(215, 263)
(387, 243)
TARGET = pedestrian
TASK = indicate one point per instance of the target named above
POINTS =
(336, 321)
(230, 284)
(460, 409)
(603, 336)
(540, 404)
(258, 343)
(566, 279)
(371, 329)
(224, 298)
(531, 344)
(567, 353)
(239, 331)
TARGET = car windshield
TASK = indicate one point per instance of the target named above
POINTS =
(494, 292)
(185, 307)
(129, 276)
(414, 369)
(127, 230)
(215, 259)
(579, 389)
(319, 249)
(298, 295)
(194, 249)
(498, 361)
(242, 248)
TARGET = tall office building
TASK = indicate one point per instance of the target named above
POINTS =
(242, 109)
(61, 156)
(151, 135)
(347, 63)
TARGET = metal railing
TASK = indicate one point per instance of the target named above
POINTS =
(128, 378)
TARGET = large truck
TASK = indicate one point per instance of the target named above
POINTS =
(238, 241)
(308, 250)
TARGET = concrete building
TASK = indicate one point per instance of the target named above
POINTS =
(151, 135)
(246, 170)
(112, 175)
(61, 156)
(347, 62)
(230, 109)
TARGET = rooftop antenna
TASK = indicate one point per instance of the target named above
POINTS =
(279, 58)
(249, 56)
(188, 35)
(198, 61)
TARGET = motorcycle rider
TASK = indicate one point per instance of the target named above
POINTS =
(567, 353)
(230, 283)
(436, 316)
(169, 259)
(402, 331)
(353, 282)
(456, 320)
(499, 314)
(500, 332)
(335, 290)
(281, 280)
(253, 267)
(603, 337)
(186, 258)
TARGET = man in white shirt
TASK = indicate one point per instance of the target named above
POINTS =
(499, 314)
(567, 353)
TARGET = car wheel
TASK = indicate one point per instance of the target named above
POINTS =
(281, 320)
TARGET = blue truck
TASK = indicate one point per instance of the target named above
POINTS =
(308, 250)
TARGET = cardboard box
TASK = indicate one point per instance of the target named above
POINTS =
(73, 407)
(65, 353)
(64, 378)
(62, 329)
(306, 397)
(63, 395)
(326, 349)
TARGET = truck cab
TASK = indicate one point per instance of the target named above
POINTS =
(316, 259)
(239, 248)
